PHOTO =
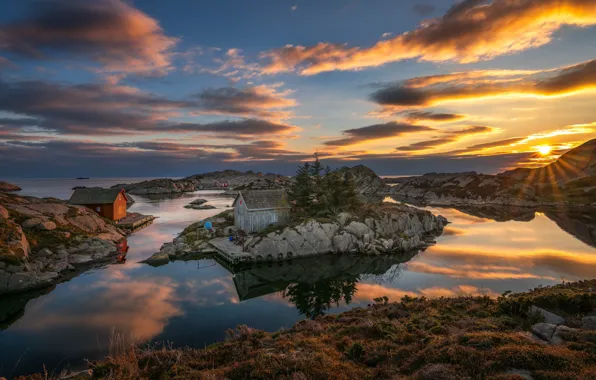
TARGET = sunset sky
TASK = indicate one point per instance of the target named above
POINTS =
(173, 88)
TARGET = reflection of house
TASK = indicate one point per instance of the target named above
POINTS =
(255, 210)
(318, 271)
(109, 203)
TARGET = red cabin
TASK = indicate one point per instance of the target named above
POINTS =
(108, 203)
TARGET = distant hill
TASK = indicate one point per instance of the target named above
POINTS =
(575, 164)
(569, 180)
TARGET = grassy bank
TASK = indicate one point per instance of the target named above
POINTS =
(415, 338)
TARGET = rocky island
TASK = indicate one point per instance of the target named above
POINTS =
(571, 180)
(327, 216)
(232, 181)
(45, 240)
(385, 229)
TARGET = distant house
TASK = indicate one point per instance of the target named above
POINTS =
(109, 203)
(256, 210)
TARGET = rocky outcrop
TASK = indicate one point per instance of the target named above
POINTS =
(234, 180)
(43, 239)
(465, 189)
(389, 229)
(159, 186)
(193, 241)
(6, 187)
(199, 204)
(570, 180)
(230, 180)
(366, 181)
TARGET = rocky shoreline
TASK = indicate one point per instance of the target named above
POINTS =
(45, 240)
(568, 182)
(385, 229)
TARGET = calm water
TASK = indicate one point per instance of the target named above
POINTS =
(193, 303)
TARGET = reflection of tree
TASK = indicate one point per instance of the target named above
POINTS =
(315, 299)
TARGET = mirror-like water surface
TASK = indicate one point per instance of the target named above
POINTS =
(193, 303)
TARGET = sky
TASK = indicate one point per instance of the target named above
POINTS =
(144, 88)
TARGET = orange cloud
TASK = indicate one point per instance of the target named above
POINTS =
(437, 90)
(470, 31)
(475, 262)
(111, 32)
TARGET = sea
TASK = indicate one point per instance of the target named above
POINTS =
(484, 251)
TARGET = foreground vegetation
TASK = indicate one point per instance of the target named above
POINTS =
(415, 338)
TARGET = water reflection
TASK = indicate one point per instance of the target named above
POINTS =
(314, 285)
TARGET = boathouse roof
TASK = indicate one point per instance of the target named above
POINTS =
(94, 196)
(264, 199)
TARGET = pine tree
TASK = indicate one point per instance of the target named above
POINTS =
(319, 191)
(300, 192)
(317, 205)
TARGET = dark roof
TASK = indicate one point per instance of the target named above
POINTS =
(94, 196)
(264, 199)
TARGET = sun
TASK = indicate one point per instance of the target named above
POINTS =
(544, 150)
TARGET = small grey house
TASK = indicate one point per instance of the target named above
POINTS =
(255, 210)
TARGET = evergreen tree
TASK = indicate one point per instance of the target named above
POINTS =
(317, 205)
(319, 191)
(300, 192)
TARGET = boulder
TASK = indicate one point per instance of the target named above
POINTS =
(343, 218)
(46, 226)
(198, 202)
(15, 241)
(44, 253)
(589, 323)
(22, 281)
(544, 331)
(31, 223)
(157, 259)
(548, 316)
(561, 334)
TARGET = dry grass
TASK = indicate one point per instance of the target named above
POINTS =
(415, 338)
